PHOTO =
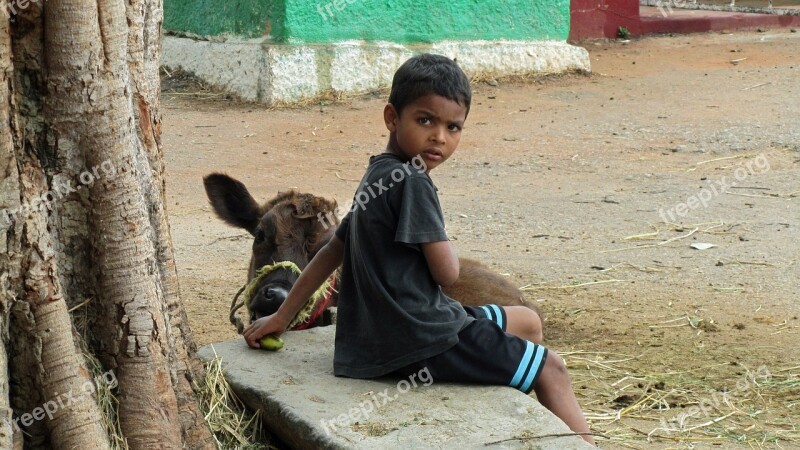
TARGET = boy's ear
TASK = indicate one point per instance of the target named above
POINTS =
(390, 117)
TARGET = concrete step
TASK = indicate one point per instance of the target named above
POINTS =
(309, 408)
(276, 74)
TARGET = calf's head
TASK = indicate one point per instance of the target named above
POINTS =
(286, 228)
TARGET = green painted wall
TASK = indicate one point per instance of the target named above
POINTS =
(402, 21)
(244, 18)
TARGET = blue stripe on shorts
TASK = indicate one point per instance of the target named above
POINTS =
(496, 314)
(530, 366)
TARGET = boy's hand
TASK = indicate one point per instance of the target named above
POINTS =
(266, 325)
(318, 270)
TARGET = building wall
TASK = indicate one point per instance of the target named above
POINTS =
(240, 18)
(401, 21)
(596, 20)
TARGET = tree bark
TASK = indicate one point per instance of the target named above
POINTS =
(52, 374)
(7, 261)
(144, 50)
(80, 127)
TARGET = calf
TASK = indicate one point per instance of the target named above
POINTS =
(288, 228)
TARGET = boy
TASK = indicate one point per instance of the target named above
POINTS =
(395, 255)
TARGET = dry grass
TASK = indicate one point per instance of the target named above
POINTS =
(108, 402)
(716, 404)
(233, 425)
(639, 401)
(105, 388)
(525, 78)
(707, 228)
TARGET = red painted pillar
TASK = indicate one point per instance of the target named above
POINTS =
(593, 19)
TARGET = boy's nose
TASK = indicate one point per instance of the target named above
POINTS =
(438, 135)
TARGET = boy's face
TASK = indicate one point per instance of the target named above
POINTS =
(429, 127)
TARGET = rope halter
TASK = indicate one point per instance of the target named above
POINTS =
(303, 316)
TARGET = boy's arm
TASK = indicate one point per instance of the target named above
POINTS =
(442, 262)
(420, 222)
(318, 270)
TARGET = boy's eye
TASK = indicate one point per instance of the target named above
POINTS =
(455, 127)
(424, 121)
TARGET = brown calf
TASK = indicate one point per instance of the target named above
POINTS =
(288, 228)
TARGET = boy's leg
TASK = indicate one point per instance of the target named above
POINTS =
(554, 391)
(520, 321)
(487, 354)
(523, 322)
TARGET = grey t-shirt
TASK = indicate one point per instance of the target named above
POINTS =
(391, 311)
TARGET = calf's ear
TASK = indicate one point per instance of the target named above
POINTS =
(231, 201)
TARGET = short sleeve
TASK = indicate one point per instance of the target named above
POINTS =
(419, 218)
(344, 227)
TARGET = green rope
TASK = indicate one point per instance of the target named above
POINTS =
(305, 313)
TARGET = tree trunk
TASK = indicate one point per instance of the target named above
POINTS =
(7, 168)
(87, 262)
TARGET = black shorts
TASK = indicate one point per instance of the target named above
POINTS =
(486, 354)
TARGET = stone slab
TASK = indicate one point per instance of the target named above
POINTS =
(309, 408)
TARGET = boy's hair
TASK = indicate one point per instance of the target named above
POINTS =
(429, 74)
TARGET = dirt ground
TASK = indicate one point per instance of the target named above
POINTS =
(588, 191)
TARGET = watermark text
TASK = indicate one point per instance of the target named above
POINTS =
(758, 165)
(65, 400)
(60, 190)
(371, 192)
(364, 409)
